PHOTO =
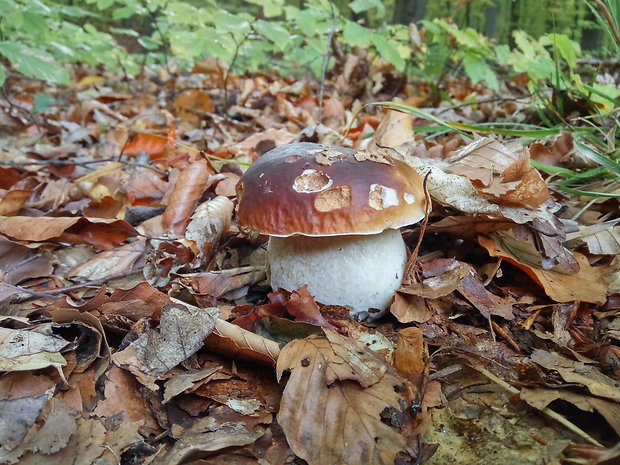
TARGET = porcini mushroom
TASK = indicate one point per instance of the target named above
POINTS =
(333, 215)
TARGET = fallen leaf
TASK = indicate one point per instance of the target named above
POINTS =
(221, 282)
(335, 402)
(587, 285)
(409, 356)
(121, 259)
(579, 372)
(540, 398)
(601, 239)
(186, 193)
(13, 201)
(100, 232)
(187, 382)
(19, 263)
(207, 435)
(237, 342)
(501, 173)
(181, 332)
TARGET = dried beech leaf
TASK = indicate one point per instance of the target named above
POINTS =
(237, 342)
(182, 330)
(221, 282)
(587, 285)
(22, 350)
(540, 398)
(499, 172)
(14, 201)
(458, 192)
(100, 232)
(186, 193)
(602, 238)
(329, 418)
(579, 372)
(208, 435)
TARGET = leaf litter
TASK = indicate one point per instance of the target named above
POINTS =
(138, 325)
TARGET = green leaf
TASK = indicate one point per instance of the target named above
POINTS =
(275, 32)
(566, 47)
(358, 6)
(388, 51)
(33, 64)
(42, 102)
(225, 21)
(356, 35)
(2, 75)
(271, 8)
(478, 70)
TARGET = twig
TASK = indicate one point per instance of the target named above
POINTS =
(477, 102)
(232, 64)
(546, 410)
(326, 61)
(412, 266)
(165, 42)
(55, 292)
(31, 116)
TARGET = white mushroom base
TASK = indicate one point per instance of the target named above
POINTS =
(361, 272)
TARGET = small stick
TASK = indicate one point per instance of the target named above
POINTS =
(547, 411)
(61, 290)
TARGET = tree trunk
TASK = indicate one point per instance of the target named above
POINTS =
(409, 11)
(490, 28)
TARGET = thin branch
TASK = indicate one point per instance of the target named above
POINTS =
(232, 64)
(326, 60)
(62, 290)
(12, 106)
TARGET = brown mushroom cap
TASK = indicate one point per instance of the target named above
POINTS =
(316, 190)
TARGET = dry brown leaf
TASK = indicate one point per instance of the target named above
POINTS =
(119, 260)
(409, 355)
(334, 405)
(395, 129)
(100, 232)
(602, 238)
(587, 285)
(18, 416)
(458, 192)
(469, 226)
(186, 382)
(181, 332)
(236, 342)
(13, 201)
(122, 400)
(408, 308)
(186, 193)
(192, 105)
(499, 172)
(540, 398)
(579, 372)
(443, 276)
(208, 435)
(219, 283)
(18, 262)
(208, 223)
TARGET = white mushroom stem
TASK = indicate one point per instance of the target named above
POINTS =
(359, 271)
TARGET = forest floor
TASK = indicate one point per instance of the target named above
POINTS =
(137, 324)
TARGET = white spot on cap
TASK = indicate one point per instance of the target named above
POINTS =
(381, 197)
(312, 181)
(409, 198)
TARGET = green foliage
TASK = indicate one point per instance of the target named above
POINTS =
(39, 37)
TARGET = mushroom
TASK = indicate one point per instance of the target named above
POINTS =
(333, 215)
